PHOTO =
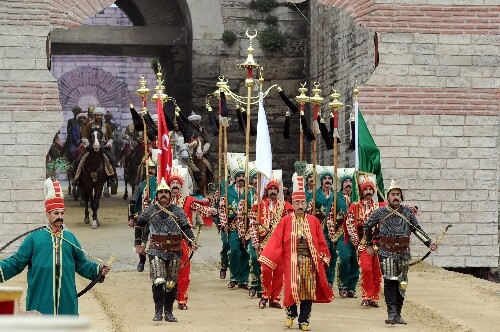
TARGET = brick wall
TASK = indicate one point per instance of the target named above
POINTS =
(30, 108)
(432, 108)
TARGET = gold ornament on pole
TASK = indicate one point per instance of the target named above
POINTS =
(317, 100)
(335, 105)
(143, 91)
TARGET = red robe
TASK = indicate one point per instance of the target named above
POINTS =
(189, 204)
(282, 248)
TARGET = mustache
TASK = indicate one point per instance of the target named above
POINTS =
(300, 209)
(241, 180)
(395, 200)
(273, 194)
(348, 186)
(327, 182)
(59, 220)
(175, 188)
(163, 196)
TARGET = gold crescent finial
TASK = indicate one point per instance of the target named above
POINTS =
(250, 36)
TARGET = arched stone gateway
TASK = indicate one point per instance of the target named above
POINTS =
(431, 103)
(89, 81)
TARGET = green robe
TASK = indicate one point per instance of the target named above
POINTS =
(38, 253)
(322, 203)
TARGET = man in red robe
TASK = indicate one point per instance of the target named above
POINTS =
(190, 205)
(357, 215)
(272, 210)
(299, 245)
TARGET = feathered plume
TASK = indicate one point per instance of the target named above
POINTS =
(286, 129)
(287, 101)
(300, 168)
(154, 65)
(305, 128)
(324, 133)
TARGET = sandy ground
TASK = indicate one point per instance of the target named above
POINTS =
(437, 300)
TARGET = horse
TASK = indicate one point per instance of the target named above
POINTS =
(197, 168)
(130, 169)
(93, 177)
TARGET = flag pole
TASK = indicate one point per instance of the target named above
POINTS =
(249, 64)
(143, 91)
(335, 105)
(356, 126)
(302, 99)
(316, 100)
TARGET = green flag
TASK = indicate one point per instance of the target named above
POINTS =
(367, 155)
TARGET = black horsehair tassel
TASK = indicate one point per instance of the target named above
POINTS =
(224, 112)
(136, 119)
(213, 123)
(324, 133)
(152, 128)
(305, 128)
(353, 135)
(241, 121)
(170, 122)
(288, 102)
(253, 130)
(286, 130)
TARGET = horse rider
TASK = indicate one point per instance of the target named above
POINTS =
(200, 135)
(107, 139)
(107, 117)
(131, 138)
(74, 135)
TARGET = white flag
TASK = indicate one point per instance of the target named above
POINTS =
(263, 153)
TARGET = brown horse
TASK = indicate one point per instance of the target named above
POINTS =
(93, 177)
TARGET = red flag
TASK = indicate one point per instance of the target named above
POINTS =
(164, 146)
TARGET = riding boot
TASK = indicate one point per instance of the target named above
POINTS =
(142, 261)
(169, 316)
(399, 319)
(391, 315)
(158, 300)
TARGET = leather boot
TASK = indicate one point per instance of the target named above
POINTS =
(142, 261)
(158, 312)
(391, 315)
(169, 316)
(399, 319)
(158, 299)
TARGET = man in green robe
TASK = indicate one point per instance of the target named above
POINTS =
(228, 213)
(324, 202)
(346, 252)
(52, 255)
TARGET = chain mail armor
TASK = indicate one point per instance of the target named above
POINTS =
(394, 265)
(161, 223)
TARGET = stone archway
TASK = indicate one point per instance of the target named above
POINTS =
(90, 81)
